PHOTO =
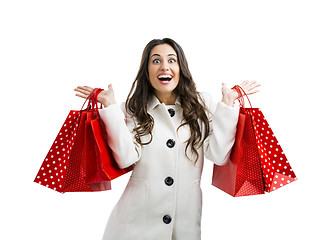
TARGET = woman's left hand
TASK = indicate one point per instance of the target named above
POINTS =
(230, 95)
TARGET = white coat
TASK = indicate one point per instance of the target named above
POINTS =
(163, 199)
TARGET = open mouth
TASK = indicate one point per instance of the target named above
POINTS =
(165, 78)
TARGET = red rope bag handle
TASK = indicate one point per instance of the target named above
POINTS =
(92, 104)
(241, 96)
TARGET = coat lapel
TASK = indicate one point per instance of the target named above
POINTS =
(158, 110)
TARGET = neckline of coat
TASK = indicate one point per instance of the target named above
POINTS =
(154, 101)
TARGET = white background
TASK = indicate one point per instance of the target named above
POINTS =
(47, 48)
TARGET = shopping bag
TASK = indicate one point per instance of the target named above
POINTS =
(242, 175)
(64, 168)
(105, 164)
(257, 162)
(102, 165)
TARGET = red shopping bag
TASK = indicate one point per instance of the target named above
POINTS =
(102, 165)
(64, 168)
(242, 175)
(257, 162)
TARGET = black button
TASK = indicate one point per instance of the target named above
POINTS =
(167, 219)
(169, 181)
(170, 143)
(171, 111)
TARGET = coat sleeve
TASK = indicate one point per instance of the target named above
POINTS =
(217, 146)
(119, 126)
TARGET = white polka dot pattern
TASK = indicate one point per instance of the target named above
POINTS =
(75, 174)
(53, 169)
(257, 162)
(63, 167)
(276, 169)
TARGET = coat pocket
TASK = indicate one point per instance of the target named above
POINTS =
(133, 203)
(195, 209)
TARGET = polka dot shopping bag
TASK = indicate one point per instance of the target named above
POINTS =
(257, 162)
(79, 158)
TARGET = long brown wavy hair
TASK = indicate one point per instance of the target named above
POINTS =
(193, 111)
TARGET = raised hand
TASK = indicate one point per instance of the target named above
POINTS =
(106, 97)
(230, 95)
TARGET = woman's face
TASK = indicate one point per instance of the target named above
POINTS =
(163, 69)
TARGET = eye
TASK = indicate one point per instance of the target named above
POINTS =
(172, 60)
(156, 61)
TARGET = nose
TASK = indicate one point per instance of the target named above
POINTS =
(165, 66)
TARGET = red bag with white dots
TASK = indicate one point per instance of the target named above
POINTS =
(79, 159)
(257, 162)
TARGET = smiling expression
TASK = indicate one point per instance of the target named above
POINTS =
(163, 69)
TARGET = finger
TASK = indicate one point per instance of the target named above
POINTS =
(253, 91)
(254, 82)
(84, 90)
(251, 85)
(89, 88)
(255, 85)
(81, 95)
(244, 83)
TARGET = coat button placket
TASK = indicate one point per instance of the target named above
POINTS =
(169, 181)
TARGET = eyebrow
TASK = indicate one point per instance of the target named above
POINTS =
(171, 54)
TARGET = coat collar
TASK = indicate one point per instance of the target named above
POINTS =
(154, 101)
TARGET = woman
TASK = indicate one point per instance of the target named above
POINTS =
(165, 128)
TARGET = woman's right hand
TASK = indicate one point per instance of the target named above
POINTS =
(105, 97)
